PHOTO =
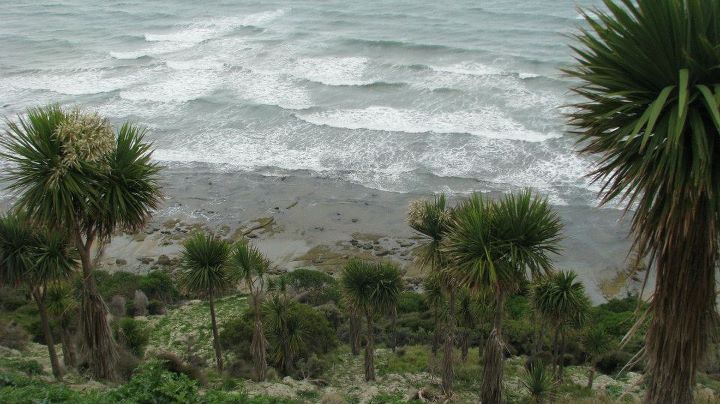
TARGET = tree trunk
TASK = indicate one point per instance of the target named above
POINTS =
(98, 346)
(447, 364)
(464, 344)
(555, 349)
(49, 341)
(393, 328)
(370, 350)
(355, 333)
(68, 348)
(561, 357)
(258, 345)
(491, 388)
(436, 332)
(216, 336)
(591, 376)
(683, 305)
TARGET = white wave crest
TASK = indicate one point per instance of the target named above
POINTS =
(332, 71)
(488, 122)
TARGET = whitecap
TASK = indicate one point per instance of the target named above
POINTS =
(74, 82)
(487, 122)
(332, 71)
(270, 89)
(179, 86)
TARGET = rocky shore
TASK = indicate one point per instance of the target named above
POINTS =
(302, 221)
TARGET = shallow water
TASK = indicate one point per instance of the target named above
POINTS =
(405, 96)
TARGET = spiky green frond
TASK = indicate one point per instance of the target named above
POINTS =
(492, 244)
(129, 191)
(33, 255)
(248, 262)
(371, 287)
(67, 174)
(430, 218)
(539, 384)
(649, 74)
(526, 230)
(48, 190)
(204, 260)
(560, 299)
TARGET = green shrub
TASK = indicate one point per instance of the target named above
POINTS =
(133, 334)
(156, 307)
(315, 287)
(611, 362)
(411, 302)
(12, 335)
(153, 383)
(173, 363)
(159, 285)
(12, 298)
(235, 334)
(118, 283)
(412, 359)
(30, 367)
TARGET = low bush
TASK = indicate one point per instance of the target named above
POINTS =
(133, 334)
(611, 362)
(312, 287)
(173, 363)
(159, 285)
(13, 336)
(156, 307)
(30, 367)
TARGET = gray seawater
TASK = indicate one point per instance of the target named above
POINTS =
(406, 96)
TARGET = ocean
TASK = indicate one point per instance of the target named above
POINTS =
(402, 96)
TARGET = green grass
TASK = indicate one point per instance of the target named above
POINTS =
(171, 332)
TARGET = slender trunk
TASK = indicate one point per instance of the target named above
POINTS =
(68, 348)
(539, 336)
(98, 346)
(288, 365)
(49, 341)
(464, 344)
(216, 336)
(561, 357)
(355, 333)
(447, 364)
(370, 350)
(591, 376)
(555, 349)
(491, 389)
(258, 345)
(436, 332)
(393, 328)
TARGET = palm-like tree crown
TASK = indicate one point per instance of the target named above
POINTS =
(595, 341)
(431, 219)
(32, 254)
(493, 244)
(649, 73)
(71, 170)
(249, 264)
(205, 265)
(285, 329)
(371, 287)
(561, 299)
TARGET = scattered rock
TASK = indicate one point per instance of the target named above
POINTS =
(367, 246)
(120, 261)
(146, 260)
(406, 244)
(164, 260)
(251, 235)
(354, 220)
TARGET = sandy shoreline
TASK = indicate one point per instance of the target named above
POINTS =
(305, 221)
